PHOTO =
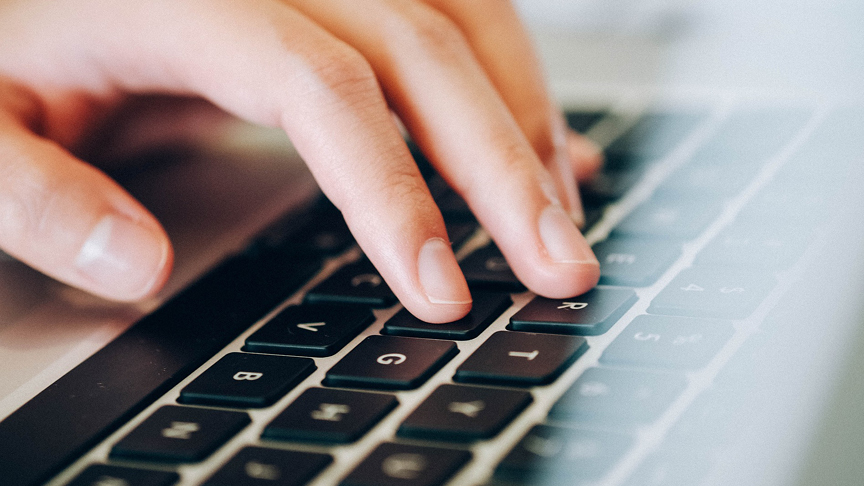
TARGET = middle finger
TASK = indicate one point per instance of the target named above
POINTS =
(434, 82)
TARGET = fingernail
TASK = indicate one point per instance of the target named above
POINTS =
(440, 275)
(122, 257)
(563, 242)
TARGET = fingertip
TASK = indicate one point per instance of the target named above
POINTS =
(124, 260)
(446, 292)
(441, 313)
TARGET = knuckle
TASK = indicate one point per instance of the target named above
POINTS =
(25, 206)
(404, 188)
(343, 72)
(431, 33)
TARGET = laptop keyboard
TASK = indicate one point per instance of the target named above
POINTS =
(339, 385)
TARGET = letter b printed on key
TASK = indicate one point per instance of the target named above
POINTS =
(247, 376)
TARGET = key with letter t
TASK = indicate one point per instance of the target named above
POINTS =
(521, 359)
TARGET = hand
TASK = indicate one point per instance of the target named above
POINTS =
(460, 75)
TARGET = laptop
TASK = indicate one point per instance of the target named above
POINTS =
(722, 346)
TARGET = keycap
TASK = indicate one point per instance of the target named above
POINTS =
(407, 465)
(486, 308)
(460, 231)
(634, 262)
(310, 330)
(321, 230)
(618, 398)
(93, 400)
(623, 161)
(609, 185)
(667, 342)
(671, 468)
(356, 283)
(390, 363)
(668, 218)
(655, 134)
(486, 269)
(247, 380)
(582, 121)
(751, 136)
(589, 314)
(521, 359)
(772, 248)
(550, 455)
(696, 181)
(459, 413)
(791, 205)
(710, 292)
(180, 434)
(452, 206)
(593, 214)
(325, 415)
(257, 466)
(103, 475)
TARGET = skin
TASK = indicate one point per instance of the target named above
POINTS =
(460, 75)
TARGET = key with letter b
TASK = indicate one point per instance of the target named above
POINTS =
(247, 380)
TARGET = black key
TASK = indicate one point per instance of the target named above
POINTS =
(797, 208)
(582, 121)
(550, 455)
(634, 263)
(104, 475)
(486, 308)
(593, 215)
(180, 434)
(247, 380)
(654, 135)
(407, 465)
(390, 363)
(671, 468)
(609, 185)
(124, 377)
(257, 466)
(521, 359)
(458, 413)
(622, 161)
(487, 269)
(452, 206)
(751, 136)
(697, 181)
(310, 330)
(324, 415)
(618, 398)
(355, 283)
(460, 231)
(772, 248)
(708, 292)
(667, 342)
(589, 314)
(669, 218)
(319, 231)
